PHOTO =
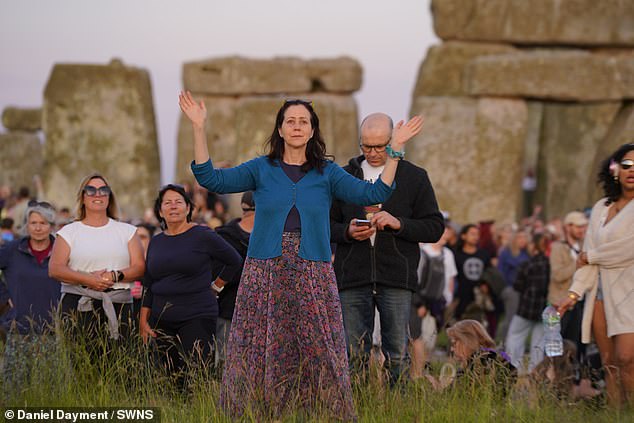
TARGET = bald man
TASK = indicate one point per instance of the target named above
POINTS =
(376, 261)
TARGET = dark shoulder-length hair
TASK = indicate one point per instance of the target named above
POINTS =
(113, 208)
(159, 200)
(605, 178)
(463, 231)
(315, 149)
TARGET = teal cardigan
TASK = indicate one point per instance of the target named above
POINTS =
(275, 194)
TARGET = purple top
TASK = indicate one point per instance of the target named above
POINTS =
(293, 221)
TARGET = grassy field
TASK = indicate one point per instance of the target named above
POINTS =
(66, 374)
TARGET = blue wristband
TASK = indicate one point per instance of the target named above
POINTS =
(394, 154)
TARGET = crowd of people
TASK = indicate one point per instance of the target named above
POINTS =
(324, 264)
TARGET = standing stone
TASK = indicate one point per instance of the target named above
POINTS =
(621, 132)
(20, 159)
(553, 74)
(340, 75)
(473, 151)
(570, 137)
(238, 75)
(20, 119)
(563, 22)
(442, 71)
(101, 118)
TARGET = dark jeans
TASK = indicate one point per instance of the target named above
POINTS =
(185, 343)
(393, 304)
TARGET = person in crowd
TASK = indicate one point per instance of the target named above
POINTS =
(606, 276)
(487, 240)
(557, 376)
(179, 305)
(437, 256)
(286, 339)
(7, 233)
(470, 263)
(531, 284)
(145, 232)
(237, 233)
(96, 258)
(31, 294)
(423, 331)
(563, 264)
(376, 264)
(509, 261)
(6, 196)
(18, 211)
(478, 360)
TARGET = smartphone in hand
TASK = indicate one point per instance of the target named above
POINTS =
(363, 222)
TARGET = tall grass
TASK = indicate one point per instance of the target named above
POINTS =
(100, 373)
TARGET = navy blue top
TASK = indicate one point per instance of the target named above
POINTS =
(275, 195)
(178, 273)
(293, 222)
(33, 293)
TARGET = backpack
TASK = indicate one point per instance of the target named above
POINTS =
(432, 278)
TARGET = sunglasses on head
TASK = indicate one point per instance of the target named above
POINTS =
(91, 191)
(626, 164)
(44, 204)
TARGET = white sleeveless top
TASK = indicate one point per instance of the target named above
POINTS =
(98, 248)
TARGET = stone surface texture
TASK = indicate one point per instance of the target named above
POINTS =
(537, 22)
(566, 75)
(21, 158)
(571, 136)
(21, 119)
(101, 118)
(473, 151)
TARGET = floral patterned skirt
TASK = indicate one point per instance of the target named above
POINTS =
(286, 347)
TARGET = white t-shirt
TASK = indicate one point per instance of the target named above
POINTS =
(450, 267)
(371, 174)
(98, 248)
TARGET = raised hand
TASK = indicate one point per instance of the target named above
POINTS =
(196, 112)
(404, 132)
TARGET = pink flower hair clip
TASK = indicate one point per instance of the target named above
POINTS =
(614, 169)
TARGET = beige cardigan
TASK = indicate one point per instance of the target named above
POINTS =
(610, 250)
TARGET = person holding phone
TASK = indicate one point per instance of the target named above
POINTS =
(377, 247)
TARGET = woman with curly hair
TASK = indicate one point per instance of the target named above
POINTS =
(605, 275)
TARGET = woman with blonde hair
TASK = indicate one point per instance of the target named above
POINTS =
(478, 360)
(96, 258)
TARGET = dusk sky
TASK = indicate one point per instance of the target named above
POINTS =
(390, 40)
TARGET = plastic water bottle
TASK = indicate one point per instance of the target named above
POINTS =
(553, 342)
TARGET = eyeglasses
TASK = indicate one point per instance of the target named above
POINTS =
(91, 191)
(378, 148)
(34, 203)
(626, 164)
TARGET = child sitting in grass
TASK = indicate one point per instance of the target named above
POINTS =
(478, 361)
